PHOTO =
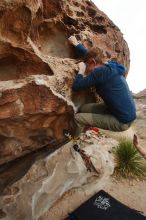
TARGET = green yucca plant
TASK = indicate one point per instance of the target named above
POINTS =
(129, 162)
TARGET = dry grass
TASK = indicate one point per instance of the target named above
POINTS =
(130, 164)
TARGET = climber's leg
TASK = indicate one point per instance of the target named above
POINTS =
(103, 121)
(94, 108)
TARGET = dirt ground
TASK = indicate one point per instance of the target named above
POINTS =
(131, 193)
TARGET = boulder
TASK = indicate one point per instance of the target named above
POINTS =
(37, 104)
(38, 66)
(50, 177)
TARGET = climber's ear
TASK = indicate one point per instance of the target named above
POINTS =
(91, 61)
(90, 65)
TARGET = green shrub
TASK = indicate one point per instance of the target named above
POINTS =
(129, 162)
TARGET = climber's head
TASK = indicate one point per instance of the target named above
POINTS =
(94, 58)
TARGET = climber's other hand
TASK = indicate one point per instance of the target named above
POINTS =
(82, 68)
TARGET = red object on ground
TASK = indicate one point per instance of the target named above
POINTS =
(94, 129)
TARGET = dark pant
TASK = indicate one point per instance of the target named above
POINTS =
(97, 115)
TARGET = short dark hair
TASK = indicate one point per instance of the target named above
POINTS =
(95, 53)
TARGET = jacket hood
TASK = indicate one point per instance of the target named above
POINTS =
(119, 67)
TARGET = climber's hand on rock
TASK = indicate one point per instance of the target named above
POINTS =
(72, 39)
(82, 68)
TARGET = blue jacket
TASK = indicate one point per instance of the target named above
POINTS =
(111, 85)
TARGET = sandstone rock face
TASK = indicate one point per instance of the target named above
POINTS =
(47, 180)
(37, 69)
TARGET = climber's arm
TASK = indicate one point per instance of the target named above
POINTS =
(141, 151)
(96, 77)
(81, 50)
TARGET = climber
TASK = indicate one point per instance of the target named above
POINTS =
(118, 110)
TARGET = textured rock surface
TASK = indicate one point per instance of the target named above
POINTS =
(140, 99)
(140, 123)
(37, 67)
(49, 178)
